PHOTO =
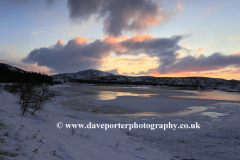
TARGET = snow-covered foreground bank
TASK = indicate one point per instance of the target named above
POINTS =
(28, 137)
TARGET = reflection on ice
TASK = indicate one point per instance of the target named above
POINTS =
(215, 95)
(187, 111)
(108, 95)
(213, 114)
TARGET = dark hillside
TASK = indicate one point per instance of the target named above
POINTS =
(9, 74)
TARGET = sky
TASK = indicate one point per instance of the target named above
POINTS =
(163, 38)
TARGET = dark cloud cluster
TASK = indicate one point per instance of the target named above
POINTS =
(119, 15)
(72, 57)
(77, 54)
(201, 63)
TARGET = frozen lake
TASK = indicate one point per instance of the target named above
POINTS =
(143, 100)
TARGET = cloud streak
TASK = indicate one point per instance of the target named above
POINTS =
(200, 49)
(11, 47)
(26, 67)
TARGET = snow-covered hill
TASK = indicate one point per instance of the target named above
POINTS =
(91, 73)
(7, 67)
(96, 76)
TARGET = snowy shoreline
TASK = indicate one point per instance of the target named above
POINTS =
(27, 137)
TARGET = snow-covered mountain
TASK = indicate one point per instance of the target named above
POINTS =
(91, 73)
